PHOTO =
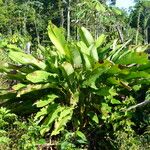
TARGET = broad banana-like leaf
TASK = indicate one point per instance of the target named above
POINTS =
(77, 61)
(57, 38)
(26, 59)
(133, 57)
(68, 68)
(145, 67)
(41, 76)
(95, 74)
(18, 86)
(53, 113)
(40, 114)
(138, 74)
(87, 61)
(31, 87)
(93, 52)
(100, 40)
(116, 70)
(46, 100)
(86, 36)
(64, 117)
(83, 48)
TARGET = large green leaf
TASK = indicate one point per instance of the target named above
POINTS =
(46, 100)
(100, 40)
(63, 118)
(41, 76)
(116, 69)
(95, 74)
(83, 48)
(68, 68)
(138, 74)
(26, 59)
(93, 52)
(133, 58)
(32, 87)
(86, 36)
(57, 39)
(41, 114)
(18, 86)
(52, 111)
(53, 114)
(87, 61)
(77, 60)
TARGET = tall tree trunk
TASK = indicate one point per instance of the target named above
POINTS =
(68, 19)
(138, 27)
(61, 10)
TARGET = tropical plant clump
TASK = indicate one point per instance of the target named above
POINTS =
(86, 89)
(80, 81)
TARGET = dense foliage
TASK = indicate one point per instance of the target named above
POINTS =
(85, 88)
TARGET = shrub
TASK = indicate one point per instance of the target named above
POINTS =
(80, 86)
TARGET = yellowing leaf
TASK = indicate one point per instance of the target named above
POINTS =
(18, 86)
(41, 76)
(68, 68)
(32, 87)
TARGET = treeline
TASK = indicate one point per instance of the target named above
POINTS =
(28, 20)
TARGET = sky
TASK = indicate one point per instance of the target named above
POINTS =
(124, 3)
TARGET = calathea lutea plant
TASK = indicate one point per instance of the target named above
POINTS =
(76, 84)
